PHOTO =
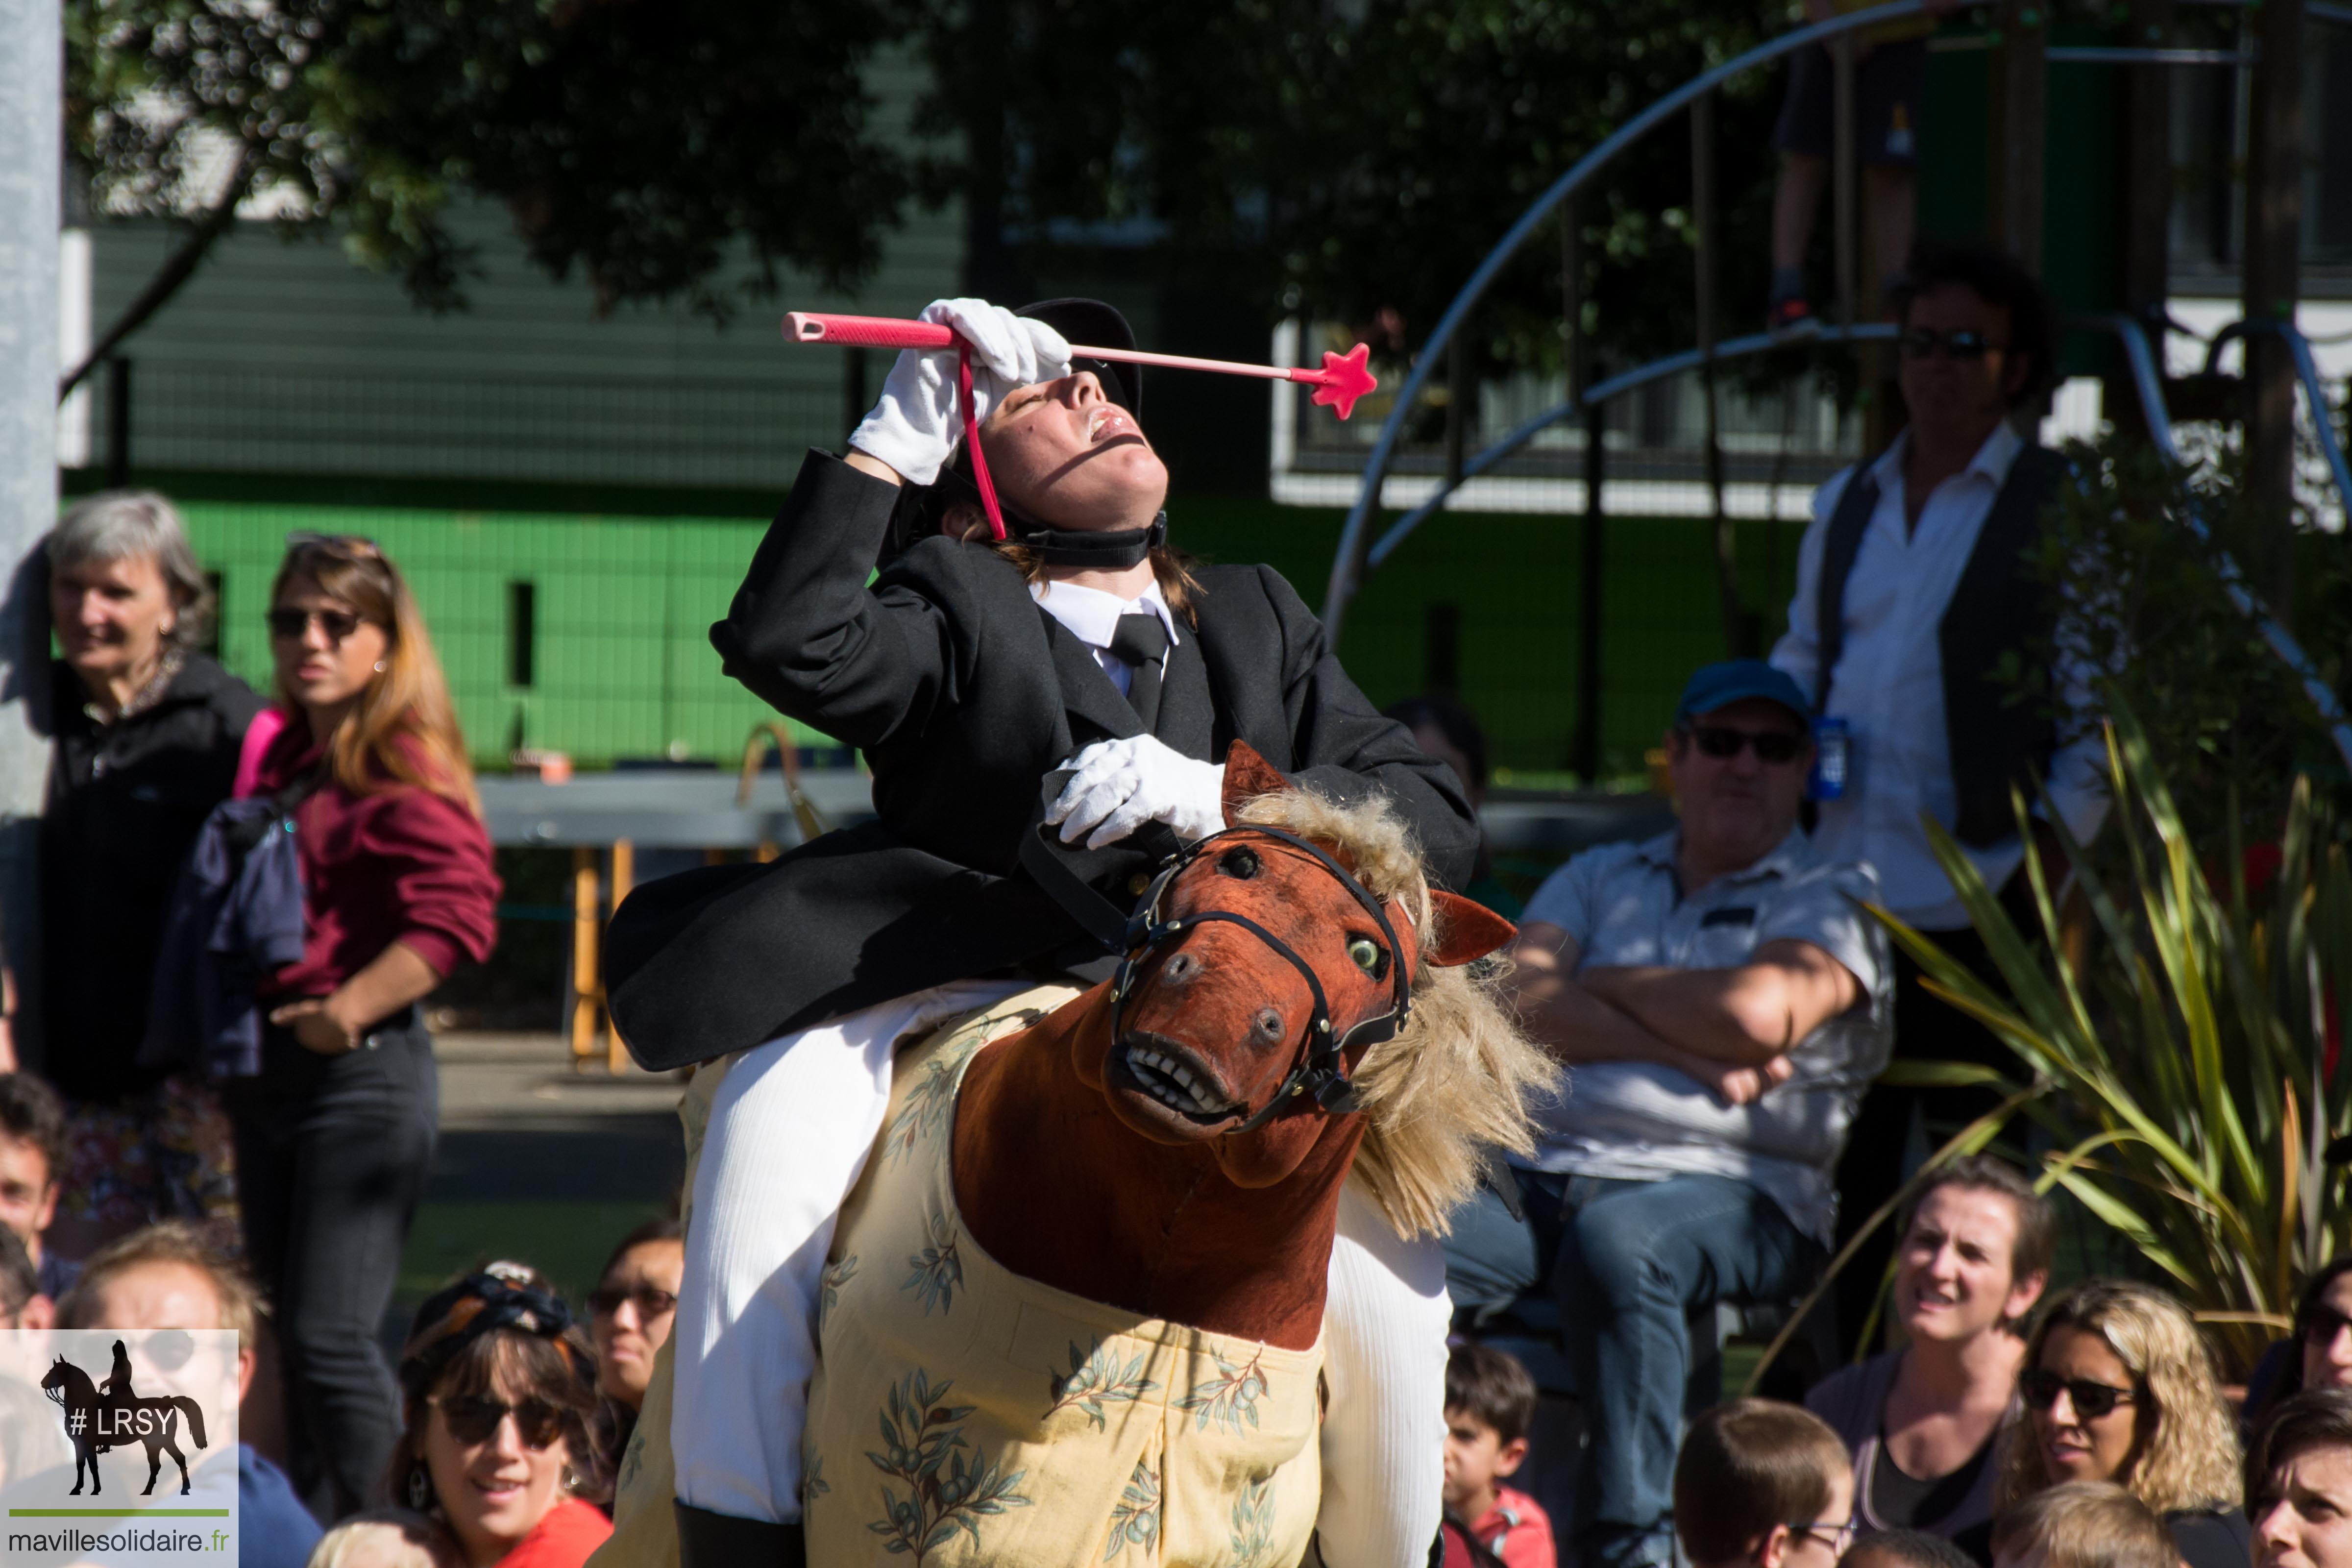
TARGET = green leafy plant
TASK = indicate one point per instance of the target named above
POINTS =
(2182, 1022)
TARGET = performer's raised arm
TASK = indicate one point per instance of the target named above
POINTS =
(803, 632)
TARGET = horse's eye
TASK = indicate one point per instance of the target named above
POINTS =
(1367, 954)
(1238, 863)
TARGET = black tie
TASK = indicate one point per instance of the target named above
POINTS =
(1142, 642)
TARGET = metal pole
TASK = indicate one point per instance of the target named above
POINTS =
(624, 876)
(1703, 211)
(1584, 752)
(2147, 193)
(1843, 219)
(31, 159)
(587, 988)
(2274, 235)
(2020, 105)
(1457, 397)
(118, 423)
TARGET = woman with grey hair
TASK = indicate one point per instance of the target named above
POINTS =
(149, 732)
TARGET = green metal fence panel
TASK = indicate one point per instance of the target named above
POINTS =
(621, 664)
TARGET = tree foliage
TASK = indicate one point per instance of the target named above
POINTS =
(1362, 157)
(689, 149)
(2146, 606)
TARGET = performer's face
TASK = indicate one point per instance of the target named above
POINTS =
(1067, 456)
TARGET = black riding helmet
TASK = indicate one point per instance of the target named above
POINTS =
(921, 508)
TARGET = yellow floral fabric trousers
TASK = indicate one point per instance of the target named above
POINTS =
(963, 1416)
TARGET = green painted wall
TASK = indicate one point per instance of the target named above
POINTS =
(622, 665)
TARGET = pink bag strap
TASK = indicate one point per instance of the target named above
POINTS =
(266, 726)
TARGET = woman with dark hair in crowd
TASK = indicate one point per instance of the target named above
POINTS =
(334, 1133)
(2119, 1387)
(2299, 1483)
(1920, 1421)
(499, 1387)
(629, 1316)
(1445, 729)
(2318, 1352)
(150, 732)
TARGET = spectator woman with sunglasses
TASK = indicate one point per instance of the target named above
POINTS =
(2119, 1387)
(334, 1133)
(499, 1386)
(2316, 1355)
(629, 1316)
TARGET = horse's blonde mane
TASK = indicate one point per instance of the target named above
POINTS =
(1450, 1090)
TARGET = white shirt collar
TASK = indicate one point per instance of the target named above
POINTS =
(1092, 615)
(1991, 462)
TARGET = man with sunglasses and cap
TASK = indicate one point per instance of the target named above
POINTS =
(1916, 598)
(1722, 998)
(1045, 694)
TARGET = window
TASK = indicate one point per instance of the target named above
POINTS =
(523, 633)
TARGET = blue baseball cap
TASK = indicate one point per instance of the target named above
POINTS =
(1734, 681)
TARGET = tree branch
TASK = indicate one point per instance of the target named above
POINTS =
(177, 271)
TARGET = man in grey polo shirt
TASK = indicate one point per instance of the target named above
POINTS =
(1722, 1001)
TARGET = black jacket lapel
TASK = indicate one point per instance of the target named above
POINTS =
(1095, 707)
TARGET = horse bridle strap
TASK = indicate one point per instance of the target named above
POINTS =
(1320, 1068)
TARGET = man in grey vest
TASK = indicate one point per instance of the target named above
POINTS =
(1915, 584)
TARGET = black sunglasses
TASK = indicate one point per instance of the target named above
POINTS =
(290, 625)
(474, 1419)
(2326, 1323)
(1921, 343)
(2091, 1400)
(1723, 742)
(651, 1302)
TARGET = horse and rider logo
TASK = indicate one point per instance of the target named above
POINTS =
(112, 1414)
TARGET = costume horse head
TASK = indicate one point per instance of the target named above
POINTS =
(1293, 1006)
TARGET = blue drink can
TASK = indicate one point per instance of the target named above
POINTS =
(1832, 749)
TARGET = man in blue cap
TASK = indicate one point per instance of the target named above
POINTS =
(1722, 1000)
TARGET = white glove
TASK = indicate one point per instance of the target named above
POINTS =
(915, 425)
(1120, 785)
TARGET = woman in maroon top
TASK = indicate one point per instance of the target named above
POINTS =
(335, 1135)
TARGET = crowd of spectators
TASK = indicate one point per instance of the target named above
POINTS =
(1721, 994)
(233, 1062)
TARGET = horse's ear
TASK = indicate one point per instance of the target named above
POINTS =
(1248, 776)
(1466, 930)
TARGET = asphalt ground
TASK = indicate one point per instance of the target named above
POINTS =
(537, 1163)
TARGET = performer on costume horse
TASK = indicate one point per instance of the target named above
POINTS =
(967, 674)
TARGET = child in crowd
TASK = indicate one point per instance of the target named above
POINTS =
(1490, 1401)
(1763, 1484)
(1904, 1549)
(385, 1537)
(2082, 1525)
(32, 1155)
